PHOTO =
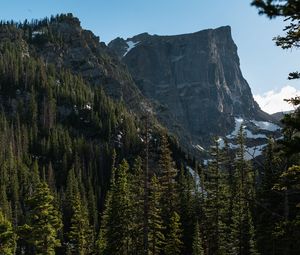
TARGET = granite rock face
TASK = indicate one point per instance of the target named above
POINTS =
(191, 83)
(81, 52)
(196, 77)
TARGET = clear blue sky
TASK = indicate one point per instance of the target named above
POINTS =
(264, 65)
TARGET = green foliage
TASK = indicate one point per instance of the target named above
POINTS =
(215, 203)
(289, 10)
(116, 215)
(136, 206)
(80, 234)
(44, 221)
(243, 235)
(173, 237)
(156, 237)
(188, 192)
(197, 242)
(7, 236)
(59, 130)
(168, 173)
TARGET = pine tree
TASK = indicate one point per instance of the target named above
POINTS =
(287, 229)
(4, 203)
(188, 194)
(116, 216)
(269, 202)
(136, 207)
(44, 222)
(168, 175)
(7, 236)
(243, 235)
(155, 234)
(105, 225)
(197, 241)
(80, 234)
(173, 238)
(215, 203)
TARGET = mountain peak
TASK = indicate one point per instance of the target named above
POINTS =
(196, 76)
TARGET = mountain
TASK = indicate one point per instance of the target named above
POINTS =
(195, 77)
(279, 115)
(192, 84)
(82, 172)
(63, 42)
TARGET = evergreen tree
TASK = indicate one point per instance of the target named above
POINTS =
(287, 229)
(116, 216)
(173, 238)
(215, 203)
(155, 234)
(7, 236)
(101, 243)
(244, 242)
(188, 195)
(168, 175)
(269, 202)
(197, 241)
(136, 207)
(80, 234)
(44, 221)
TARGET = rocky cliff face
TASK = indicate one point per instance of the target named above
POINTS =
(67, 45)
(191, 83)
(196, 77)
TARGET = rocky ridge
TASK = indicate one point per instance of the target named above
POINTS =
(191, 83)
(196, 77)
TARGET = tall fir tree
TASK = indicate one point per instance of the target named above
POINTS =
(215, 203)
(116, 216)
(243, 236)
(7, 236)
(173, 237)
(136, 206)
(197, 241)
(80, 235)
(44, 222)
(155, 235)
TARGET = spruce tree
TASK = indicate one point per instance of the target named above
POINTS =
(215, 203)
(80, 234)
(116, 216)
(167, 178)
(155, 234)
(188, 194)
(44, 222)
(173, 237)
(197, 241)
(243, 235)
(136, 206)
(7, 236)
(269, 201)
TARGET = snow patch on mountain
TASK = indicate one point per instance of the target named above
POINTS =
(198, 147)
(194, 175)
(130, 45)
(253, 152)
(250, 135)
(238, 123)
(265, 125)
(261, 132)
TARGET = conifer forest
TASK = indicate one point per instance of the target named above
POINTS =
(83, 173)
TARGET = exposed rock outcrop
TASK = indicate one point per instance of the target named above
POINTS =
(82, 52)
(196, 77)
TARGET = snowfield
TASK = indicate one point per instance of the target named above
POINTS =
(130, 45)
(266, 125)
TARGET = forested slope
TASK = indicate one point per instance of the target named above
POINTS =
(81, 174)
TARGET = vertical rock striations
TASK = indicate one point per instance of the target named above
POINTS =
(196, 76)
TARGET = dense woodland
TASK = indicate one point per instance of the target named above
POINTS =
(80, 174)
